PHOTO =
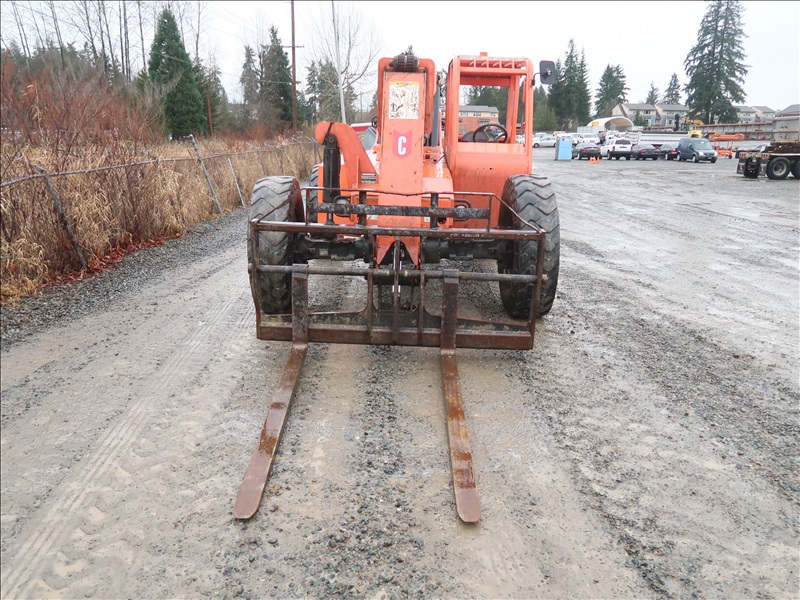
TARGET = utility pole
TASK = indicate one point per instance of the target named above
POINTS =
(294, 78)
(294, 74)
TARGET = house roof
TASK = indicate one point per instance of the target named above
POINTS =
(638, 106)
(741, 108)
(672, 107)
(763, 109)
(479, 108)
(793, 109)
(621, 123)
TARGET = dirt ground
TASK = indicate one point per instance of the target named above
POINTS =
(645, 448)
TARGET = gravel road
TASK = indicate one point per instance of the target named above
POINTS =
(645, 448)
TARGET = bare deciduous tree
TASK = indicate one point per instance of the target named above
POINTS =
(141, 36)
(359, 44)
(198, 26)
(23, 38)
(84, 26)
(57, 29)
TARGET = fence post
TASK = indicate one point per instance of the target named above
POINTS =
(235, 180)
(205, 172)
(278, 159)
(62, 217)
(263, 166)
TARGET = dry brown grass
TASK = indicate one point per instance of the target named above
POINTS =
(115, 210)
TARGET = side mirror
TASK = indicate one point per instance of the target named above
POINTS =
(547, 72)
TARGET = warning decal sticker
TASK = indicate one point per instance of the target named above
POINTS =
(404, 100)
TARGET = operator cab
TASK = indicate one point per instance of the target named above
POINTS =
(490, 132)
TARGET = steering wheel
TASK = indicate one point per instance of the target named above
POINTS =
(499, 138)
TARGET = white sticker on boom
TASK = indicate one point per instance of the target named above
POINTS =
(404, 100)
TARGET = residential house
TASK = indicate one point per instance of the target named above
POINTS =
(667, 113)
(790, 111)
(764, 113)
(647, 112)
(746, 114)
(470, 117)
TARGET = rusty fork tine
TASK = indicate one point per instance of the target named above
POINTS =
(465, 488)
(255, 479)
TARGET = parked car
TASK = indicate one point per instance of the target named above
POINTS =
(585, 150)
(643, 151)
(696, 149)
(668, 150)
(544, 141)
(592, 138)
(758, 148)
(617, 148)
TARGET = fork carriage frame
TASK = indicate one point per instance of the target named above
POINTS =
(418, 327)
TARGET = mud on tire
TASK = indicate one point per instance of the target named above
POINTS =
(533, 199)
(274, 199)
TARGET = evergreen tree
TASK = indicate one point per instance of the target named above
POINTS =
(215, 98)
(328, 94)
(583, 108)
(539, 97)
(312, 91)
(249, 78)
(611, 91)
(275, 84)
(569, 95)
(169, 65)
(493, 96)
(652, 95)
(246, 116)
(623, 84)
(672, 95)
(543, 117)
(715, 64)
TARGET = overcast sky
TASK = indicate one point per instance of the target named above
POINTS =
(649, 40)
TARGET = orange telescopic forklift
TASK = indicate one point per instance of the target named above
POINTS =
(422, 193)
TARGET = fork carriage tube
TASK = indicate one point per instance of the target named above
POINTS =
(396, 327)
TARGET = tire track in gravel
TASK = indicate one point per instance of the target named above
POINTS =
(303, 493)
(690, 462)
(682, 255)
(49, 533)
(372, 513)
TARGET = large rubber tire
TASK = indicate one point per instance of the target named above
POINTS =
(313, 178)
(311, 181)
(695, 159)
(778, 168)
(275, 199)
(533, 199)
(796, 169)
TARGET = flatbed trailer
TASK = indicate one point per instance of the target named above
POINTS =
(776, 163)
(780, 158)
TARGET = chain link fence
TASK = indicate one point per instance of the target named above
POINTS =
(57, 221)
